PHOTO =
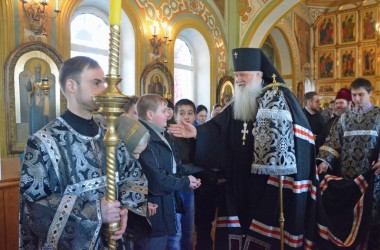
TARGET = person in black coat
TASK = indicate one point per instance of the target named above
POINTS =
(165, 173)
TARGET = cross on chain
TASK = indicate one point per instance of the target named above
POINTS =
(244, 131)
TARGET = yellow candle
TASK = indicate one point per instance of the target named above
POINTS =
(115, 12)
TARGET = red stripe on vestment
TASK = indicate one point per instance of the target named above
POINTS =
(298, 187)
(303, 133)
(357, 213)
(308, 244)
(362, 183)
(228, 221)
(324, 183)
(274, 232)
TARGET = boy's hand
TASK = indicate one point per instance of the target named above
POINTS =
(185, 130)
(194, 182)
(152, 209)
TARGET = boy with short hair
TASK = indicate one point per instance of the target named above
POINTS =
(184, 110)
(164, 172)
(200, 209)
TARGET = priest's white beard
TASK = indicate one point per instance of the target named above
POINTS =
(245, 103)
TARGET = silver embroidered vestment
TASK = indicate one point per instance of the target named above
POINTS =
(62, 182)
(351, 146)
(350, 149)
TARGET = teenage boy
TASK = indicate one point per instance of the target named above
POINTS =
(164, 172)
(203, 208)
(184, 110)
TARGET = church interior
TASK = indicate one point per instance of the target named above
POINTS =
(178, 49)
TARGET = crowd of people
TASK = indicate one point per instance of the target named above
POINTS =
(267, 171)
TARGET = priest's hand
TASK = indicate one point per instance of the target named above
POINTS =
(184, 129)
(123, 225)
(322, 167)
(376, 167)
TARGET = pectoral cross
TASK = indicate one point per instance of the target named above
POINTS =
(274, 82)
(244, 131)
(235, 54)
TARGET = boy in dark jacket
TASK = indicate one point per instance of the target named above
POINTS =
(165, 174)
(184, 110)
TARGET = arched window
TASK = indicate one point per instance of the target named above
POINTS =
(183, 71)
(90, 36)
(192, 67)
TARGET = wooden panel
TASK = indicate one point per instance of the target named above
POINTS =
(11, 196)
(2, 222)
(11, 200)
(9, 213)
(10, 168)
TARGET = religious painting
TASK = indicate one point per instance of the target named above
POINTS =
(369, 60)
(32, 92)
(325, 88)
(326, 63)
(348, 58)
(369, 24)
(225, 91)
(157, 79)
(348, 23)
(326, 30)
(302, 33)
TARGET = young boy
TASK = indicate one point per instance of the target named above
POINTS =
(165, 174)
(184, 110)
(135, 137)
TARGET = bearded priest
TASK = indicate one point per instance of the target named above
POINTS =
(260, 138)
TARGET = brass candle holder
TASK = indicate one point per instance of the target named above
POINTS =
(111, 103)
(44, 85)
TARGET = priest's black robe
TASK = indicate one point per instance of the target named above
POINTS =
(248, 215)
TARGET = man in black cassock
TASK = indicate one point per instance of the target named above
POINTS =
(262, 135)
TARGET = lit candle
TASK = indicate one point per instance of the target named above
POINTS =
(165, 26)
(115, 12)
(169, 31)
(56, 4)
(155, 27)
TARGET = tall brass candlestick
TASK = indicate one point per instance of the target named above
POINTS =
(111, 104)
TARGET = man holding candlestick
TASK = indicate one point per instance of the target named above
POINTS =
(63, 175)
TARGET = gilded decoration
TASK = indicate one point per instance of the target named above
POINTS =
(166, 11)
(35, 21)
(244, 10)
(346, 48)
